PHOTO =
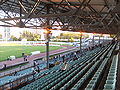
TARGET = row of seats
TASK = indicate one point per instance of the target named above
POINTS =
(44, 81)
(82, 80)
(64, 81)
(7, 79)
(95, 78)
(15, 76)
(66, 76)
(57, 67)
(112, 75)
(56, 80)
(22, 73)
(30, 85)
(93, 82)
(71, 77)
(27, 71)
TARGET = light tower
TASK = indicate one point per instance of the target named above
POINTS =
(6, 33)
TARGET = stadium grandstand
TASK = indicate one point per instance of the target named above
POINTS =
(94, 67)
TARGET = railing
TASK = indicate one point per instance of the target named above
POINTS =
(32, 42)
(12, 84)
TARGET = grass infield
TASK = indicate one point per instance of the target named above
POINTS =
(6, 51)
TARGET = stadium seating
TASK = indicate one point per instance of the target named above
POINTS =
(111, 78)
(56, 81)
(96, 77)
(82, 80)
(92, 84)
(92, 66)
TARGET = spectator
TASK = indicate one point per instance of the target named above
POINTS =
(56, 63)
(34, 63)
(4, 66)
(23, 54)
(100, 45)
(8, 58)
(65, 67)
(20, 67)
(75, 56)
(32, 69)
(25, 57)
(89, 48)
(38, 69)
(113, 41)
(33, 72)
(63, 58)
(15, 73)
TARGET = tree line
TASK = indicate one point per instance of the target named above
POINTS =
(30, 36)
(26, 35)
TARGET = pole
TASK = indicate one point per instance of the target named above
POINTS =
(47, 49)
(103, 39)
(80, 42)
(48, 38)
(20, 26)
(93, 40)
(99, 39)
(106, 38)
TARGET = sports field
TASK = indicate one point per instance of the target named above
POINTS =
(17, 50)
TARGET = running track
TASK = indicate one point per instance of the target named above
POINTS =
(34, 57)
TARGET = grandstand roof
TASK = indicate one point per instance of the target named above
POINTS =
(98, 16)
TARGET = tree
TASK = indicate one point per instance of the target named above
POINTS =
(36, 37)
(71, 39)
(13, 38)
(112, 35)
(29, 36)
(0, 36)
(69, 36)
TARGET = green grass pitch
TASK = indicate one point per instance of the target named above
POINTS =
(6, 51)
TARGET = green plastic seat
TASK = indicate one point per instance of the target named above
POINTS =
(109, 86)
(90, 87)
(109, 81)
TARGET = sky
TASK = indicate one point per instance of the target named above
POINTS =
(15, 31)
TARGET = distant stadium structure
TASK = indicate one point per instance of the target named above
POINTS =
(6, 33)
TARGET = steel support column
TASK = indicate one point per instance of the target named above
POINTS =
(47, 49)
(20, 10)
(103, 39)
(93, 40)
(99, 39)
(106, 38)
(48, 38)
(80, 42)
(23, 53)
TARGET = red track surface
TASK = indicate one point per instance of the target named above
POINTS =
(33, 57)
